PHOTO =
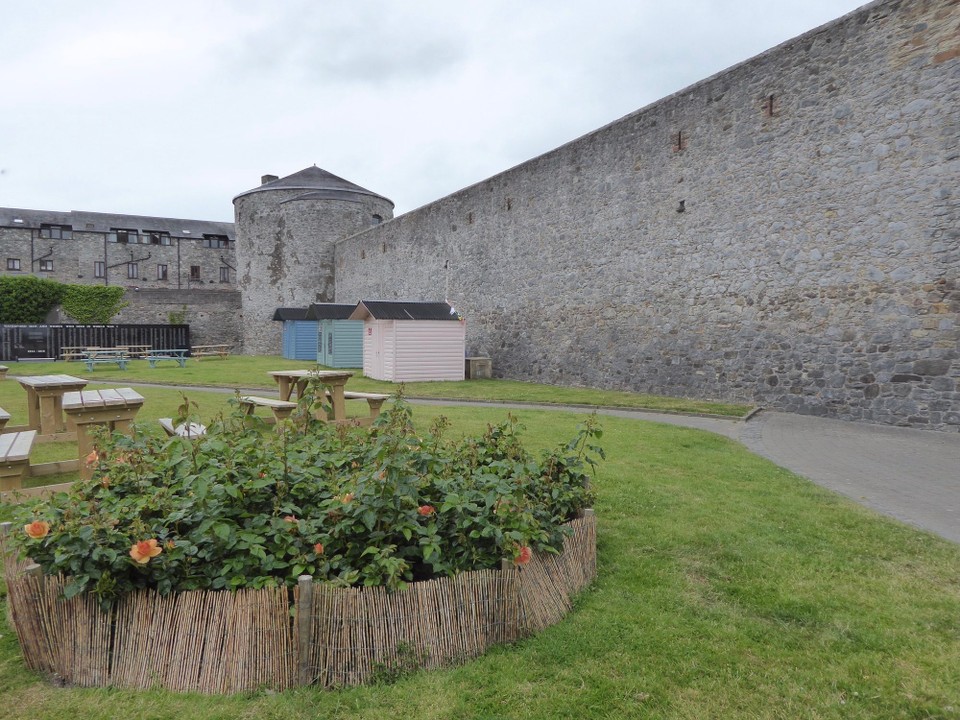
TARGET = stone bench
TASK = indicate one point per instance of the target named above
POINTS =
(3, 372)
(15, 450)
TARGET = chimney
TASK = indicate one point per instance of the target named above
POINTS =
(264, 179)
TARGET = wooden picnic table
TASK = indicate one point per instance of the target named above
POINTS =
(201, 351)
(45, 400)
(135, 351)
(76, 352)
(290, 380)
(105, 355)
(115, 409)
(177, 354)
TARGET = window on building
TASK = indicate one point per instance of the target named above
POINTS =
(376, 219)
(133, 270)
(156, 237)
(194, 272)
(99, 269)
(13, 263)
(123, 236)
(46, 266)
(56, 232)
(216, 241)
(161, 272)
(225, 274)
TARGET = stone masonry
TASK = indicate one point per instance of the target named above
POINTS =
(785, 233)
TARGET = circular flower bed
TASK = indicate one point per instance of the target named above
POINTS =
(247, 507)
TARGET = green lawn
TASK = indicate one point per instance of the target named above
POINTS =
(251, 372)
(727, 588)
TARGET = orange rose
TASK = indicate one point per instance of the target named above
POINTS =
(92, 457)
(318, 548)
(290, 518)
(142, 551)
(524, 557)
(347, 498)
(426, 510)
(37, 529)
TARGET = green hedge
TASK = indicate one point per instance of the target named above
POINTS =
(28, 299)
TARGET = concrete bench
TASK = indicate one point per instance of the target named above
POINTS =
(99, 357)
(15, 450)
(187, 430)
(281, 409)
(3, 372)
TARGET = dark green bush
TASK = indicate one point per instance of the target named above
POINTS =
(27, 299)
(249, 507)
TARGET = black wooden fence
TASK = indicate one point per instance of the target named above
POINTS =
(43, 342)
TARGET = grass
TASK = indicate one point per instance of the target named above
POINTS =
(251, 372)
(727, 588)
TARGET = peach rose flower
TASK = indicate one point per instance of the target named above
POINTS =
(37, 529)
(142, 551)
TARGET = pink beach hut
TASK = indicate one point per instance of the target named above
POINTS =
(407, 341)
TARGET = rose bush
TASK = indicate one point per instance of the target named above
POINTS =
(246, 506)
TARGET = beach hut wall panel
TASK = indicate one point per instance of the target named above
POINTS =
(299, 339)
(340, 341)
(409, 341)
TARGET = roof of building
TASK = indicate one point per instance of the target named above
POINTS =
(81, 220)
(329, 311)
(290, 314)
(399, 310)
(316, 183)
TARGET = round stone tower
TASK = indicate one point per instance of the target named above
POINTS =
(285, 233)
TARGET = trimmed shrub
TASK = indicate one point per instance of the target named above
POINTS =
(252, 507)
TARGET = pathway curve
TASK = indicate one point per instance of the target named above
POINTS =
(912, 475)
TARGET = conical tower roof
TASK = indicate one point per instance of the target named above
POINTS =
(315, 183)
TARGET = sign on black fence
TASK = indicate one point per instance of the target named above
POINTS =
(43, 342)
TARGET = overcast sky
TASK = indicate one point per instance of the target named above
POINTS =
(172, 108)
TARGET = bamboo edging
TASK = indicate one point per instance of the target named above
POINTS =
(227, 642)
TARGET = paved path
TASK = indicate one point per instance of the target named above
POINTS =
(911, 475)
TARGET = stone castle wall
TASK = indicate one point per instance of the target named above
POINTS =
(213, 315)
(785, 232)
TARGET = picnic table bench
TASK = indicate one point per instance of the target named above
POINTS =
(374, 402)
(179, 355)
(281, 409)
(15, 450)
(201, 351)
(135, 351)
(187, 429)
(76, 352)
(3, 372)
(105, 355)
(4, 418)
(114, 408)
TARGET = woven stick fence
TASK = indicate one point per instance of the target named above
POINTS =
(223, 642)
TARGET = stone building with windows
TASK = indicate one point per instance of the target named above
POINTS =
(169, 266)
(129, 250)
